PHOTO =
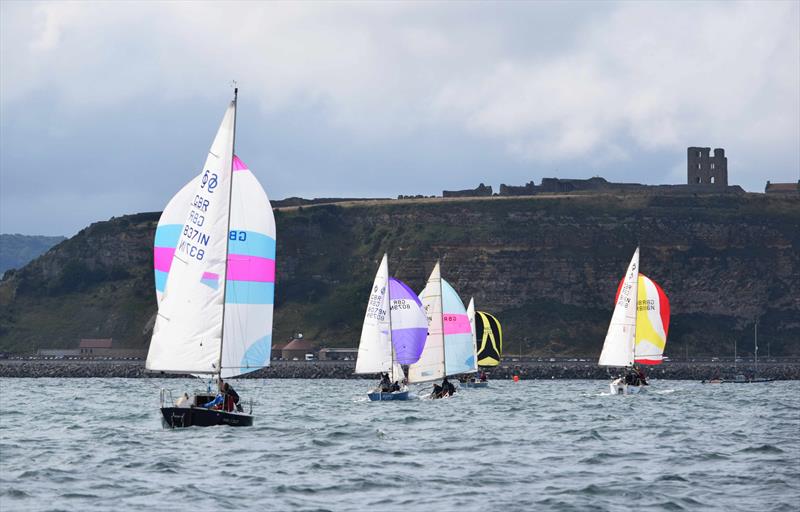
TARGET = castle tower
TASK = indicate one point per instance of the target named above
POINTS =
(704, 169)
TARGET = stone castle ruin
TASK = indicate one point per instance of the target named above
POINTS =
(705, 174)
(704, 169)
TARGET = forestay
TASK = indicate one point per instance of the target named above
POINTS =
(618, 346)
(188, 330)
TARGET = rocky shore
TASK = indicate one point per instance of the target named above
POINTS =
(344, 370)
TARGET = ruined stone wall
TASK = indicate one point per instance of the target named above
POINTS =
(480, 191)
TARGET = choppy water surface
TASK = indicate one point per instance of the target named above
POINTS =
(98, 444)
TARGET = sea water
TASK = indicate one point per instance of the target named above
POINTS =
(98, 444)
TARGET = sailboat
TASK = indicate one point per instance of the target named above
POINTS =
(449, 347)
(740, 378)
(393, 334)
(638, 329)
(488, 340)
(214, 263)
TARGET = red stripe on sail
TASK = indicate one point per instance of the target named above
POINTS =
(663, 303)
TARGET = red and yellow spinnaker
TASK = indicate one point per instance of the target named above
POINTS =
(652, 321)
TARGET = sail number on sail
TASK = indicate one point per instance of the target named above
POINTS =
(193, 241)
(374, 307)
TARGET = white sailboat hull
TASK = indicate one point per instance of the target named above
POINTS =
(619, 387)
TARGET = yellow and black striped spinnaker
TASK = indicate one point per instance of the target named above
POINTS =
(489, 336)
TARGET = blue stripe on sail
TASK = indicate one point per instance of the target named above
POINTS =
(254, 244)
(249, 292)
(257, 354)
(458, 357)
(168, 235)
(161, 280)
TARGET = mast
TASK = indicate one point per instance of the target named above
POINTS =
(755, 351)
(228, 231)
(389, 296)
(635, 307)
(441, 315)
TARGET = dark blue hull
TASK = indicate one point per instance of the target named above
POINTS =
(179, 417)
(380, 397)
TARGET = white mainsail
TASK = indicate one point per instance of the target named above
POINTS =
(187, 335)
(619, 344)
(375, 351)
(471, 316)
(431, 363)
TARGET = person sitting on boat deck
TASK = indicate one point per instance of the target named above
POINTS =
(483, 376)
(231, 398)
(386, 384)
(437, 391)
(395, 387)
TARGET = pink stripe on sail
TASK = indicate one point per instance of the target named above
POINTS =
(162, 258)
(210, 275)
(250, 268)
(238, 165)
(456, 324)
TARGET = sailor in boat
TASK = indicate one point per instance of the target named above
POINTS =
(483, 376)
(635, 377)
(445, 390)
(230, 398)
(227, 399)
(386, 384)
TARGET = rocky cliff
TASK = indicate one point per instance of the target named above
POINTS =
(547, 266)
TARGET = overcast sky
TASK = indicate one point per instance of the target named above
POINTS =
(108, 108)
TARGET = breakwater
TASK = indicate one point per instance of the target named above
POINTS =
(344, 370)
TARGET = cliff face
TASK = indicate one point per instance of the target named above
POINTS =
(548, 267)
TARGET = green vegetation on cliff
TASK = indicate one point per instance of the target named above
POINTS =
(548, 266)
